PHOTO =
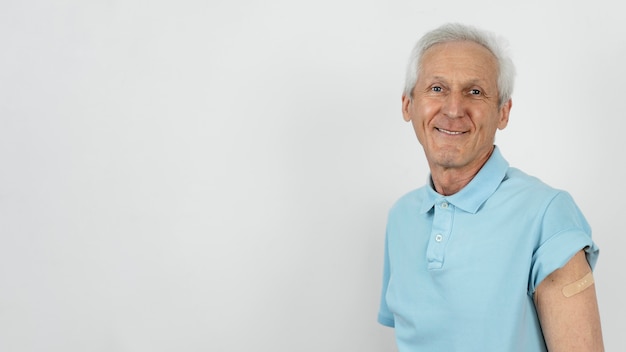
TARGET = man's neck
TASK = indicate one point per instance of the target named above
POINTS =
(448, 181)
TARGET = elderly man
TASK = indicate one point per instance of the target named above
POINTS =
(484, 257)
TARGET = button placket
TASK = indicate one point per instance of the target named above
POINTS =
(442, 225)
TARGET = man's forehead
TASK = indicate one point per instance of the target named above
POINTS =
(467, 61)
(462, 51)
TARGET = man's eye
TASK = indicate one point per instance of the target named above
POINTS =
(436, 89)
(475, 92)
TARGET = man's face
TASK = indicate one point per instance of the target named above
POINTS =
(454, 109)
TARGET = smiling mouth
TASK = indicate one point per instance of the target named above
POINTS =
(452, 133)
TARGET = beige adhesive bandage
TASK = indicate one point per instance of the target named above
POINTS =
(578, 286)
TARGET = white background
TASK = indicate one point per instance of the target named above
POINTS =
(215, 175)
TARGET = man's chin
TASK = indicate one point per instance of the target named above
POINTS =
(446, 158)
(447, 162)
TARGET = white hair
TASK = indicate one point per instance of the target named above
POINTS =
(452, 32)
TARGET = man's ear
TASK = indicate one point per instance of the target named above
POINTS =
(406, 104)
(505, 110)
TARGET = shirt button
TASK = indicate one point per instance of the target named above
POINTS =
(444, 205)
(438, 237)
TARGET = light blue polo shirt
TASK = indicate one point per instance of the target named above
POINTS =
(460, 270)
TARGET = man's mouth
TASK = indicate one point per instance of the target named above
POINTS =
(452, 133)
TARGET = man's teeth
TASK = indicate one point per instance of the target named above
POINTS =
(448, 132)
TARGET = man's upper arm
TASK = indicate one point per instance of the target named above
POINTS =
(569, 323)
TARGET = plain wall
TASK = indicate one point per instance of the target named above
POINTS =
(215, 176)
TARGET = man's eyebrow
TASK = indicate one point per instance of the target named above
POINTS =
(432, 79)
(478, 81)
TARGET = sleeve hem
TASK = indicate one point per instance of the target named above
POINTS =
(565, 245)
(386, 321)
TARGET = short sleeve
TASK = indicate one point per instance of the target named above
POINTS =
(385, 317)
(563, 232)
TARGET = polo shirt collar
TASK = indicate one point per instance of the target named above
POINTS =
(475, 193)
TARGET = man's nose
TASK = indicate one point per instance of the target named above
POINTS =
(453, 105)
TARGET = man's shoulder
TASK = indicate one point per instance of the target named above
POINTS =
(518, 180)
(519, 187)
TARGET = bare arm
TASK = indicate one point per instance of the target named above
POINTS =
(569, 324)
